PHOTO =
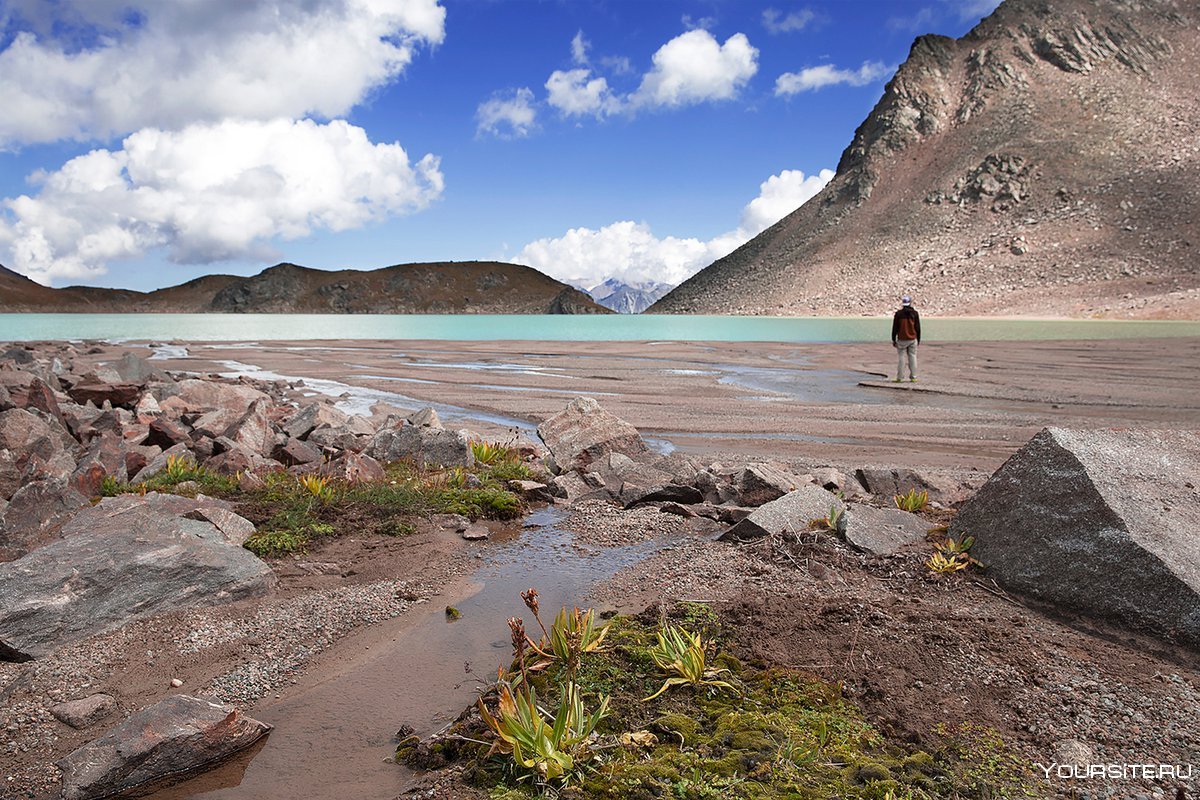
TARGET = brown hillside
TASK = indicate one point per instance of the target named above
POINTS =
(474, 287)
(1046, 163)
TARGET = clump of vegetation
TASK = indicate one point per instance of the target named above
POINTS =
(683, 653)
(318, 487)
(179, 469)
(551, 748)
(571, 635)
(951, 555)
(912, 501)
(784, 735)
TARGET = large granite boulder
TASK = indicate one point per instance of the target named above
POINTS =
(584, 432)
(429, 446)
(793, 512)
(116, 563)
(177, 735)
(1098, 522)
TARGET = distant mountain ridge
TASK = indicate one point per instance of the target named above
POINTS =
(628, 298)
(1048, 162)
(469, 287)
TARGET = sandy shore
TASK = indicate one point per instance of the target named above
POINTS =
(975, 402)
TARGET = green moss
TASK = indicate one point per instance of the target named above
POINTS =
(685, 729)
(276, 543)
(785, 736)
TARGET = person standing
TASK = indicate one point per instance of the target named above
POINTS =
(906, 335)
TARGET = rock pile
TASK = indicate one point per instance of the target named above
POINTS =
(598, 456)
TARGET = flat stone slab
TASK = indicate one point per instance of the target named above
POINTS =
(1100, 522)
(882, 531)
(792, 512)
(177, 735)
(84, 712)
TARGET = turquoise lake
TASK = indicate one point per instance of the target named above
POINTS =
(568, 328)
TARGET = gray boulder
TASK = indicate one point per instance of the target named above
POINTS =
(118, 564)
(762, 483)
(425, 418)
(793, 512)
(429, 446)
(202, 395)
(179, 734)
(882, 531)
(584, 432)
(1097, 522)
(314, 415)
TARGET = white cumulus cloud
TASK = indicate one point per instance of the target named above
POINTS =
(209, 192)
(575, 93)
(694, 68)
(631, 252)
(158, 64)
(813, 78)
(509, 115)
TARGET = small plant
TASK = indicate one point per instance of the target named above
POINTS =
(275, 543)
(952, 555)
(452, 478)
(572, 634)
(492, 453)
(912, 501)
(940, 564)
(550, 749)
(318, 487)
(110, 486)
(683, 653)
(180, 468)
(828, 523)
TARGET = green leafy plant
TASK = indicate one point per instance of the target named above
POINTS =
(681, 654)
(180, 468)
(572, 634)
(912, 501)
(549, 748)
(492, 453)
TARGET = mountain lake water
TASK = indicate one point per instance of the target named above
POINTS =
(564, 327)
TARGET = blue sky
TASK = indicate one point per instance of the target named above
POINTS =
(146, 142)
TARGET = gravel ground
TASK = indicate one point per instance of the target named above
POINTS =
(275, 640)
(596, 523)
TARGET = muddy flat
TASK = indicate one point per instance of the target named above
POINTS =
(973, 405)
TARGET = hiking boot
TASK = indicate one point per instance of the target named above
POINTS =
(895, 380)
(912, 380)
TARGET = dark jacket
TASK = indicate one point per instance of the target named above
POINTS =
(906, 324)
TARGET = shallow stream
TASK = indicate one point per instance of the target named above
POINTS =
(334, 730)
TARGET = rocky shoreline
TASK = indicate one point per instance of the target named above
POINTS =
(93, 440)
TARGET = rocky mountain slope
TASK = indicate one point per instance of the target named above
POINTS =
(1048, 162)
(472, 287)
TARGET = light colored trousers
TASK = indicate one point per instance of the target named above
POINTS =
(906, 347)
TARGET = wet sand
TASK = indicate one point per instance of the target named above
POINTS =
(975, 402)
